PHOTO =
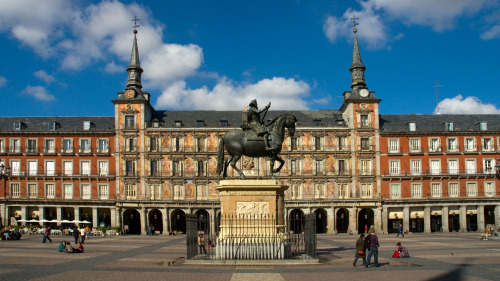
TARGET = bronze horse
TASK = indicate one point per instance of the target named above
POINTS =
(239, 143)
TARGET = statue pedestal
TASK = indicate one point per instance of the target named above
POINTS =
(252, 222)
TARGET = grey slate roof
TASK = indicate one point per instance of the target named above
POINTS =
(66, 124)
(306, 118)
(436, 122)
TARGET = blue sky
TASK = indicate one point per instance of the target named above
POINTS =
(69, 58)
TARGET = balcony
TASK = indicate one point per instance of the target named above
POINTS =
(60, 174)
(489, 149)
(155, 174)
(31, 151)
(67, 151)
(15, 150)
(455, 149)
(126, 149)
(49, 150)
(435, 150)
(130, 174)
(366, 172)
(488, 172)
(415, 150)
(470, 149)
(85, 150)
(102, 151)
(367, 148)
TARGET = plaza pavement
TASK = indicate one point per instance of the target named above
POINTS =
(450, 256)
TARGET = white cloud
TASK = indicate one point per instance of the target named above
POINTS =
(34, 23)
(440, 15)
(172, 62)
(3, 81)
(469, 105)
(491, 33)
(38, 92)
(113, 68)
(101, 33)
(44, 76)
(371, 29)
(281, 92)
(375, 15)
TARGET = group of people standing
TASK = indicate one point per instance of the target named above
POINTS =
(364, 244)
(370, 244)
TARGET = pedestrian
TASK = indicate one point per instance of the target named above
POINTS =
(47, 235)
(87, 232)
(82, 235)
(201, 243)
(76, 234)
(366, 228)
(360, 250)
(373, 239)
(400, 231)
(44, 236)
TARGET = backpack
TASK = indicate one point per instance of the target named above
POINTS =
(367, 241)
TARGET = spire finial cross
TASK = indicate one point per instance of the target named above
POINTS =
(354, 23)
(135, 20)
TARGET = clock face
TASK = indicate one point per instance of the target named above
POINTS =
(129, 94)
(364, 93)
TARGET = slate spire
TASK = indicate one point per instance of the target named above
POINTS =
(357, 68)
(134, 69)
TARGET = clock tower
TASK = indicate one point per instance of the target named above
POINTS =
(360, 112)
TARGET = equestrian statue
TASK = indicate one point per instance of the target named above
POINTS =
(256, 139)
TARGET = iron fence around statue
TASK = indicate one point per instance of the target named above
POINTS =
(251, 238)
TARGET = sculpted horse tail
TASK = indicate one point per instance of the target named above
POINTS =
(220, 157)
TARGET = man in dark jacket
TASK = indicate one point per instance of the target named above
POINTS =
(373, 248)
(76, 234)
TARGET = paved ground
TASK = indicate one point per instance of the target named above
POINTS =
(433, 257)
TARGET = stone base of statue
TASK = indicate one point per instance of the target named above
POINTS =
(252, 225)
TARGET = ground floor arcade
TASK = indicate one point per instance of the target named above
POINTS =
(331, 217)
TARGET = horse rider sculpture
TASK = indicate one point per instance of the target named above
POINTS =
(255, 124)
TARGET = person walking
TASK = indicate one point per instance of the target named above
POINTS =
(87, 232)
(46, 235)
(366, 228)
(373, 249)
(82, 235)
(360, 250)
(76, 234)
(400, 231)
(44, 239)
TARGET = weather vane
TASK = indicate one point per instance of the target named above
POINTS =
(135, 20)
(354, 23)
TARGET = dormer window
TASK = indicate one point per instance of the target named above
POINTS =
(483, 126)
(18, 126)
(200, 123)
(52, 126)
(87, 125)
(448, 126)
(317, 122)
(178, 124)
(224, 123)
(412, 126)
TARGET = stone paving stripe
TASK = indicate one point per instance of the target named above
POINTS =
(257, 276)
